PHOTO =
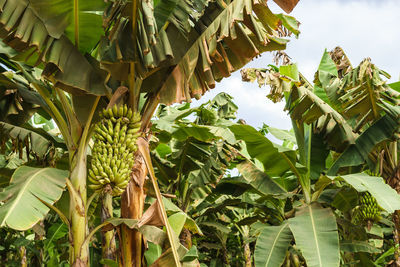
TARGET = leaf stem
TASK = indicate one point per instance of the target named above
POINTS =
(90, 235)
(304, 184)
(58, 118)
(59, 212)
(84, 138)
(132, 84)
(76, 22)
(144, 149)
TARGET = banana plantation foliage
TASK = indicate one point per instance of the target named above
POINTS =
(104, 161)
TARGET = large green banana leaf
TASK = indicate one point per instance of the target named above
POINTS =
(387, 197)
(357, 153)
(259, 180)
(23, 199)
(271, 246)
(275, 162)
(35, 32)
(315, 232)
(59, 18)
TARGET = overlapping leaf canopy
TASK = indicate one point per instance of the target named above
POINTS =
(17, 101)
(179, 48)
(39, 35)
(197, 152)
(353, 108)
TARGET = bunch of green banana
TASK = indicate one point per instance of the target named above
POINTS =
(113, 150)
(368, 210)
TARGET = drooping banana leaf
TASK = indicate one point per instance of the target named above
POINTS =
(148, 47)
(188, 57)
(315, 232)
(357, 153)
(183, 14)
(305, 106)
(38, 36)
(232, 36)
(23, 206)
(387, 197)
(365, 95)
(258, 146)
(271, 246)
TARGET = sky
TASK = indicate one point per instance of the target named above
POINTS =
(363, 28)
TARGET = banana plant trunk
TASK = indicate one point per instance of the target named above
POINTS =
(132, 205)
(79, 252)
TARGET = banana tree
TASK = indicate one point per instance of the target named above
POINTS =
(76, 62)
(322, 228)
(337, 113)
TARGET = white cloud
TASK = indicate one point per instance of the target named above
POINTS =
(364, 28)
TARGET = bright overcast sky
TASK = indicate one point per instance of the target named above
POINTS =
(363, 28)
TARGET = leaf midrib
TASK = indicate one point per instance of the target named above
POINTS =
(19, 195)
(315, 235)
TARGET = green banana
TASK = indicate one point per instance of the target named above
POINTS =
(115, 111)
(125, 110)
(115, 144)
(368, 210)
(110, 113)
(121, 111)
